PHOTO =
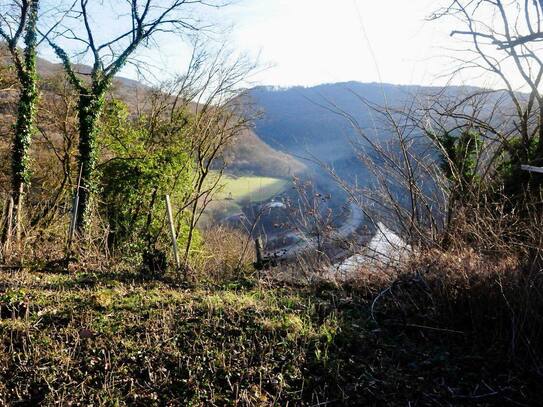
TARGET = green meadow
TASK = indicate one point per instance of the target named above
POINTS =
(251, 188)
(235, 192)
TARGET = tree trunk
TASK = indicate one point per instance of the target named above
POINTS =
(21, 145)
(25, 119)
(90, 108)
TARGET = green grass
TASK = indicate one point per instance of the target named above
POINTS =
(106, 339)
(115, 339)
(251, 188)
(235, 192)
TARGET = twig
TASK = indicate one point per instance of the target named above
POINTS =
(377, 299)
(453, 331)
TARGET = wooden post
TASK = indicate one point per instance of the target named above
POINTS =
(172, 232)
(9, 227)
(261, 262)
(258, 251)
(73, 221)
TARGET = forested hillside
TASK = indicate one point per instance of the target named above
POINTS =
(318, 121)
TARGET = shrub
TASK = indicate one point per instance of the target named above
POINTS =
(147, 157)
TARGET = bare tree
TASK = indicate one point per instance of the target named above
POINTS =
(406, 188)
(55, 150)
(7, 84)
(19, 20)
(140, 21)
(213, 89)
(505, 42)
(453, 162)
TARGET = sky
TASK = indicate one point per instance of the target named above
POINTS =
(315, 41)
(309, 42)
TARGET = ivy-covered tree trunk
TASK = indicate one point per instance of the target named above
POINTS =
(90, 107)
(24, 126)
(109, 57)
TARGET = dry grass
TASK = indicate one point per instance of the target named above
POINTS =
(113, 339)
(449, 327)
(227, 254)
(446, 329)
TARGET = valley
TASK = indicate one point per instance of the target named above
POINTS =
(304, 124)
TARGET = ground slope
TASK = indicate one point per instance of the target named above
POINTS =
(98, 338)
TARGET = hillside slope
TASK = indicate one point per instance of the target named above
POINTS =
(251, 155)
(98, 337)
(248, 155)
(305, 122)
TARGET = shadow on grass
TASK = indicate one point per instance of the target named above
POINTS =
(435, 340)
(421, 346)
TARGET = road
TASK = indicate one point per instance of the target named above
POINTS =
(303, 244)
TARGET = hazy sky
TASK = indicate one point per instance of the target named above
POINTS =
(315, 41)
(307, 42)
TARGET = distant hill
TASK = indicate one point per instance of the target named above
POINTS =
(300, 121)
(248, 155)
(251, 155)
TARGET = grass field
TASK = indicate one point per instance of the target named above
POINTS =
(241, 190)
(252, 188)
(113, 339)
